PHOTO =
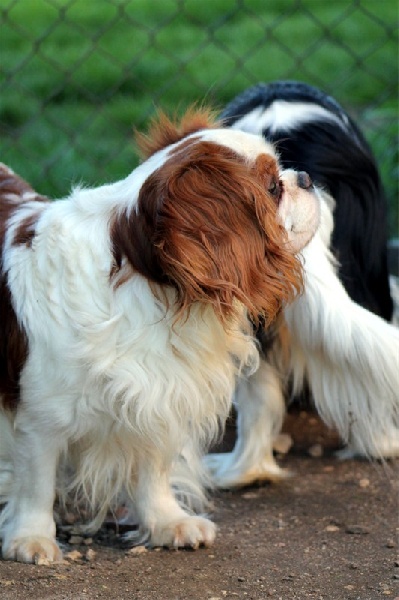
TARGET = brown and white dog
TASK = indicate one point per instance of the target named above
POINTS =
(124, 324)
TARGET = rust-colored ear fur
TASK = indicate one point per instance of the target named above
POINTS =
(164, 131)
(206, 225)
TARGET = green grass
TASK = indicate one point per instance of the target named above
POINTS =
(78, 75)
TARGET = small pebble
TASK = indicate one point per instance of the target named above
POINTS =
(283, 443)
(316, 451)
(356, 530)
(332, 528)
(250, 495)
(364, 483)
(90, 555)
(88, 541)
(240, 578)
(137, 550)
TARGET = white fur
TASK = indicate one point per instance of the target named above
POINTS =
(248, 144)
(282, 113)
(350, 358)
(394, 286)
(114, 388)
(260, 405)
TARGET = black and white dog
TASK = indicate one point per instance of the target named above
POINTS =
(335, 338)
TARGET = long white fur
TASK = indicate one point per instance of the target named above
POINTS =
(350, 359)
(114, 387)
(260, 405)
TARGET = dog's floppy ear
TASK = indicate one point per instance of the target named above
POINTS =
(206, 225)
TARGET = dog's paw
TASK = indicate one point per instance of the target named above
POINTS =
(190, 532)
(37, 549)
(226, 472)
(386, 446)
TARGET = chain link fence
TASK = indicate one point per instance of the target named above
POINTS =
(78, 75)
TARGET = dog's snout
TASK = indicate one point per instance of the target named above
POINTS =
(304, 180)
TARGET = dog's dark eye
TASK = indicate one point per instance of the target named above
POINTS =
(275, 189)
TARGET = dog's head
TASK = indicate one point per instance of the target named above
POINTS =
(207, 219)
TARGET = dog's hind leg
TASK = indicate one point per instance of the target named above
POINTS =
(260, 405)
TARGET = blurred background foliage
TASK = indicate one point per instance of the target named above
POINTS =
(78, 75)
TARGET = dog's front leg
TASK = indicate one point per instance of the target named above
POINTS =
(159, 513)
(28, 528)
(260, 406)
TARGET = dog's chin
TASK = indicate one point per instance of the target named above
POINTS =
(301, 233)
(300, 215)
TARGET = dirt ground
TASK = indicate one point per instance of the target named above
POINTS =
(330, 532)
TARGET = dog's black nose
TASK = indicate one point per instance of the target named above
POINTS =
(304, 180)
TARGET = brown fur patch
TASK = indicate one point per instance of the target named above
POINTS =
(206, 225)
(164, 131)
(26, 230)
(10, 183)
(14, 191)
